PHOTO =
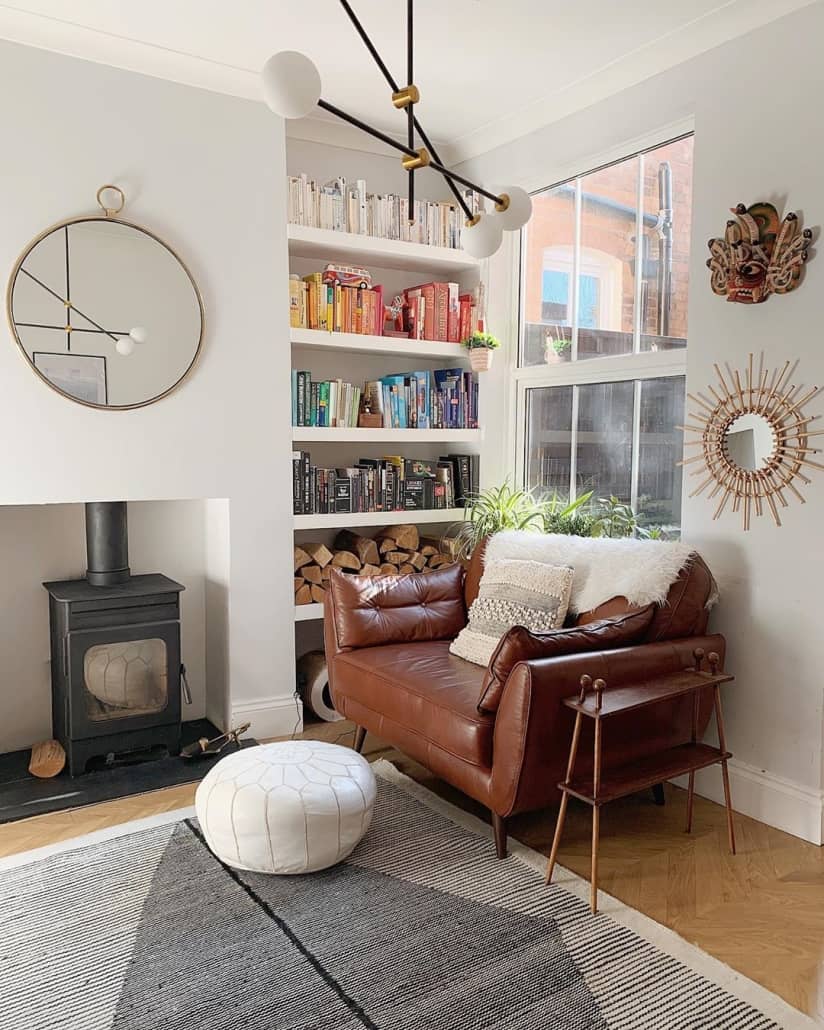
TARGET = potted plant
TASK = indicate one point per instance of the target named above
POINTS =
(557, 348)
(490, 511)
(480, 346)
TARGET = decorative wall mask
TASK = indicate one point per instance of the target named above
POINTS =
(758, 254)
(754, 440)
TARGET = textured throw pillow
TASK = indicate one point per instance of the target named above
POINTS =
(513, 593)
(520, 645)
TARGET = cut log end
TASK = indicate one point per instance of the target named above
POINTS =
(47, 759)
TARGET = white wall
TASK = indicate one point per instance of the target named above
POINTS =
(755, 139)
(205, 172)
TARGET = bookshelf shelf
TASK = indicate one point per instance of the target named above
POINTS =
(308, 612)
(345, 520)
(389, 345)
(321, 433)
(328, 245)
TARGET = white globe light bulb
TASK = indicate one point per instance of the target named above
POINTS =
(483, 239)
(519, 210)
(138, 334)
(124, 346)
(291, 84)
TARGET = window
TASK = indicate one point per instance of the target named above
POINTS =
(605, 278)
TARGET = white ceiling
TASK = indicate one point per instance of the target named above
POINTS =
(488, 71)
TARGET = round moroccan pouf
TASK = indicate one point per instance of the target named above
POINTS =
(293, 807)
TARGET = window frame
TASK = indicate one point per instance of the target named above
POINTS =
(635, 366)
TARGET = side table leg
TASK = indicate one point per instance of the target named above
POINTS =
(593, 881)
(690, 798)
(722, 743)
(596, 818)
(696, 697)
(559, 825)
(556, 840)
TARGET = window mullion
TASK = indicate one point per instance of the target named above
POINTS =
(573, 444)
(636, 445)
(639, 258)
(576, 268)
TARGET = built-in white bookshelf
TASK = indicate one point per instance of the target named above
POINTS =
(308, 612)
(353, 354)
(378, 518)
(329, 245)
(390, 346)
(383, 435)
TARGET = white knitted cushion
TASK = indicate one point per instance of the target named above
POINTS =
(292, 807)
(513, 593)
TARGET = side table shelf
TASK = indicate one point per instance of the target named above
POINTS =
(596, 703)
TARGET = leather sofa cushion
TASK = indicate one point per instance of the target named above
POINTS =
(373, 611)
(422, 687)
(522, 645)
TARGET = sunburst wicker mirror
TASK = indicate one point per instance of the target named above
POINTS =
(753, 438)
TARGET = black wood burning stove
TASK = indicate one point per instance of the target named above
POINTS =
(115, 651)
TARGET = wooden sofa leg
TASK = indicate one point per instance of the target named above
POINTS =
(499, 826)
(360, 736)
(658, 794)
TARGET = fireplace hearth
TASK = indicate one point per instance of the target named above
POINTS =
(115, 651)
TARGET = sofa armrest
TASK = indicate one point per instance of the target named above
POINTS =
(533, 729)
(521, 645)
(368, 611)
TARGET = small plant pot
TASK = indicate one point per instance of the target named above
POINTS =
(480, 358)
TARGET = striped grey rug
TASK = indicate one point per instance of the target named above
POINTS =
(421, 928)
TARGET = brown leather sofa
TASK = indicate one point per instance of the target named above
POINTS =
(390, 671)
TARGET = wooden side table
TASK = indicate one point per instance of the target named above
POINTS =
(609, 785)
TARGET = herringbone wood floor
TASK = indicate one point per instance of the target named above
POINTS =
(761, 912)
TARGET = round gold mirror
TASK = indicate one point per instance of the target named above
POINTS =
(104, 311)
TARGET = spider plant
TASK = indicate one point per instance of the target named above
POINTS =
(490, 511)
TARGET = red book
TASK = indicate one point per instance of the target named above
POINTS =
(441, 312)
(466, 327)
(427, 291)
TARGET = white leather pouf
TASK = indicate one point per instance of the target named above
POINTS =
(292, 807)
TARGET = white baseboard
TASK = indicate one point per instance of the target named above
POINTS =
(270, 716)
(770, 799)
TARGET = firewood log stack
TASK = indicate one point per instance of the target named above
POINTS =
(397, 550)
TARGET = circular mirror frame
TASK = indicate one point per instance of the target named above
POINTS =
(108, 219)
(769, 396)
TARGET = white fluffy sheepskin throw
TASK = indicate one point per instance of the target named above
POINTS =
(640, 570)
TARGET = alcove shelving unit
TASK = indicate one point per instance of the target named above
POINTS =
(353, 357)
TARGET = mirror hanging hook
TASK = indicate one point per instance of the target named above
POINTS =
(111, 211)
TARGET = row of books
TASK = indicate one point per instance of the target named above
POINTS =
(318, 301)
(391, 483)
(444, 399)
(439, 311)
(341, 298)
(349, 207)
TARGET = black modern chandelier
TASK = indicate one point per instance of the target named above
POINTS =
(292, 89)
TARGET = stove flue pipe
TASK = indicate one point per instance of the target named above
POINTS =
(107, 543)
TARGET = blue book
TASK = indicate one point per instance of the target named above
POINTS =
(397, 385)
(422, 398)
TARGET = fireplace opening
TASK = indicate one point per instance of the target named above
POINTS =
(115, 652)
